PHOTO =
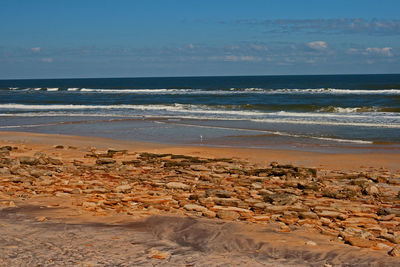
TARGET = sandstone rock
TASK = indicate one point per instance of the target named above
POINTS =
(330, 214)
(19, 179)
(257, 185)
(5, 148)
(259, 206)
(209, 214)
(387, 217)
(76, 191)
(54, 161)
(39, 173)
(4, 153)
(28, 160)
(194, 207)
(392, 238)
(87, 204)
(226, 201)
(177, 185)
(275, 209)
(359, 181)
(389, 211)
(261, 218)
(123, 188)
(371, 190)
(384, 247)
(7, 162)
(199, 168)
(280, 198)
(360, 221)
(219, 193)
(4, 171)
(104, 161)
(308, 215)
(228, 215)
(360, 242)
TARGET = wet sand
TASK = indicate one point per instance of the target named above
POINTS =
(338, 161)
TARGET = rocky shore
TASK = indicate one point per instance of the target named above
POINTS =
(361, 209)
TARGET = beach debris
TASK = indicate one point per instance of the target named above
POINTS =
(395, 252)
(310, 243)
(160, 255)
(41, 219)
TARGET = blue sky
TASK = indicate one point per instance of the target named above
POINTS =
(128, 38)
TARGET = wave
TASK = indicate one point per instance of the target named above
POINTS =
(351, 109)
(334, 91)
(212, 109)
(146, 91)
(277, 120)
(172, 108)
(339, 91)
(330, 123)
(217, 109)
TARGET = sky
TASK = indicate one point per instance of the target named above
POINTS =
(133, 38)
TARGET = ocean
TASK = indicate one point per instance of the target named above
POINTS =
(327, 113)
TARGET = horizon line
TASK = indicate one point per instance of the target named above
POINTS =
(199, 76)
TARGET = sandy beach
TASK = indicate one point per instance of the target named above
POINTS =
(80, 201)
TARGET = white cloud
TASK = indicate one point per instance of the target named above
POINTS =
(318, 45)
(35, 49)
(241, 58)
(259, 47)
(329, 26)
(384, 51)
(47, 60)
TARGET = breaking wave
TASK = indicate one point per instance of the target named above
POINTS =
(333, 91)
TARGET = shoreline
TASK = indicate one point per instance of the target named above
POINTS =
(333, 161)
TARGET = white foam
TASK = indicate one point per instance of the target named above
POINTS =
(326, 115)
(333, 123)
(387, 120)
(316, 91)
(138, 91)
(339, 91)
(333, 109)
(162, 91)
(26, 126)
(175, 108)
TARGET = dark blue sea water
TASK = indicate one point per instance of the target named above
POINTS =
(318, 112)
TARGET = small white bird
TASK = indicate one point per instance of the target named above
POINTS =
(201, 138)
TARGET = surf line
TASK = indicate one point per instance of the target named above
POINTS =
(272, 132)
